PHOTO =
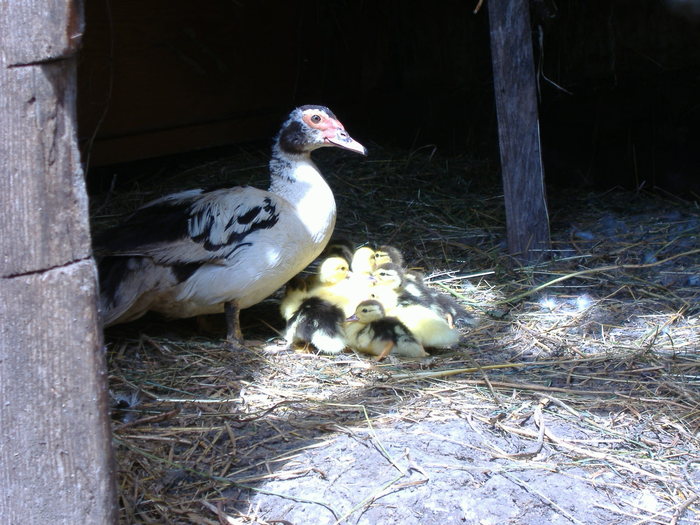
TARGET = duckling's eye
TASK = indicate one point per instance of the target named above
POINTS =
(315, 118)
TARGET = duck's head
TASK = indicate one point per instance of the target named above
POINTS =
(333, 270)
(367, 311)
(389, 274)
(311, 127)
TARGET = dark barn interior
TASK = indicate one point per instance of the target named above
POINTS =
(617, 81)
(574, 396)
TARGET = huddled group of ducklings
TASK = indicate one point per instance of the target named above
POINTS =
(367, 301)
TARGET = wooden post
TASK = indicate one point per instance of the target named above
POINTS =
(55, 443)
(518, 129)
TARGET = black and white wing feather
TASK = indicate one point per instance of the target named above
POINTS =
(196, 226)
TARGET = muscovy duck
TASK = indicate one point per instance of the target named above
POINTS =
(206, 251)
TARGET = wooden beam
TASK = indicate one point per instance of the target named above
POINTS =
(518, 129)
(56, 459)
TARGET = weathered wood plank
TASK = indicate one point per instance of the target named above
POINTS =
(55, 459)
(42, 192)
(40, 30)
(518, 129)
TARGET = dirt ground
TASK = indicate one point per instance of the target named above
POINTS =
(439, 472)
(575, 399)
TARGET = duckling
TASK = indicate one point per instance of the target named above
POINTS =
(332, 271)
(369, 331)
(340, 286)
(454, 313)
(295, 292)
(313, 319)
(409, 286)
(388, 254)
(339, 247)
(363, 261)
(366, 260)
(318, 322)
(414, 306)
(211, 250)
(414, 289)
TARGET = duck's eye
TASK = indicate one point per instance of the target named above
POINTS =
(315, 118)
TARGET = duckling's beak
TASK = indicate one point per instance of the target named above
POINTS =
(353, 317)
(341, 138)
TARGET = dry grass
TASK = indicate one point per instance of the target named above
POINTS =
(605, 337)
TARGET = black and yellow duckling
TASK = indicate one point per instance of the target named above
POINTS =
(295, 292)
(366, 259)
(339, 247)
(408, 285)
(413, 279)
(318, 322)
(441, 303)
(455, 313)
(370, 331)
(314, 306)
(414, 305)
(388, 254)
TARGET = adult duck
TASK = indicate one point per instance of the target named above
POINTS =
(206, 251)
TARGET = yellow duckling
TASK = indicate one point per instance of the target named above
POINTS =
(366, 260)
(337, 285)
(331, 273)
(363, 261)
(369, 331)
(333, 282)
(412, 303)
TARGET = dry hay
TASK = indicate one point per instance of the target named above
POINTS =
(588, 361)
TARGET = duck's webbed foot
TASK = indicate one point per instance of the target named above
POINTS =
(385, 351)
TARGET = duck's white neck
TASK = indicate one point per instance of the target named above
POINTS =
(297, 179)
